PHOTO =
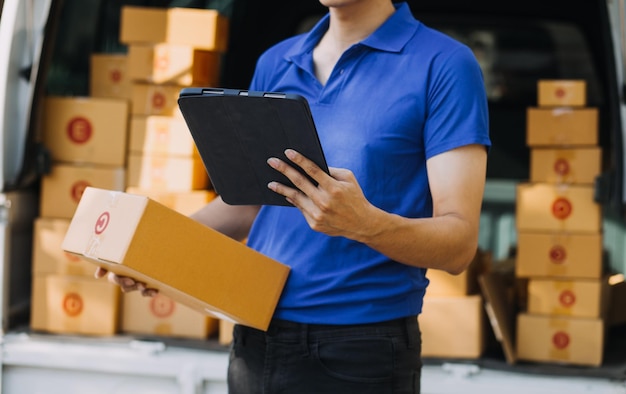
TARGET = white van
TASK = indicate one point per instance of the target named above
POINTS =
(45, 47)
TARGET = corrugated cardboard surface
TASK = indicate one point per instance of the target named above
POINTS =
(575, 298)
(562, 126)
(560, 339)
(562, 92)
(135, 236)
(557, 254)
(562, 165)
(166, 135)
(108, 77)
(453, 327)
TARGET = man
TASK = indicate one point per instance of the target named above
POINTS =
(402, 118)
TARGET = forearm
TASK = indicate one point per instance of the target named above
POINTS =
(233, 221)
(446, 242)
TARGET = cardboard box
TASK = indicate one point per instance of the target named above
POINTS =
(162, 316)
(564, 208)
(225, 334)
(162, 135)
(183, 202)
(558, 254)
(575, 298)
(199, 28)
(558, 339)
(443, 284)
(560, 127)
(166, 173)
(86, 130)
(192, 264)
(561, 93)
(453, 327)
(63, 187)
(48, 257)
(151, 99)
(173, 64)
(560, 165)
(108, 77)
(74, 305)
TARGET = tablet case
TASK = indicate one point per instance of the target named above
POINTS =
(236, 131)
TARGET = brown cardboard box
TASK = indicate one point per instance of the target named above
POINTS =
(453, 327)
(560, 165)
(108, 77)
(565, 208)
(86, 129)
(160, 315)
(166, 173)
(225, 334)
(199, 28)
(575, 298)
(173, 64)
(560, 339)
(443, 284)
(152, 99)
(183, 202)
(48, 257)
(74, 305)
(562, 93)
(62, 188)
(561, 127)
(192, 264)
(164, 135)
(558, 254)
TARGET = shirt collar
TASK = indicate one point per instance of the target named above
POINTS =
(391, 36)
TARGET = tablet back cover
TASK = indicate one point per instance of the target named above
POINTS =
(235, 135)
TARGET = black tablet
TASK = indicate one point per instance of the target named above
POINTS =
(236, 131)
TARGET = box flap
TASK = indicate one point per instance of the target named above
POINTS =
(500, 310)
(95, 231)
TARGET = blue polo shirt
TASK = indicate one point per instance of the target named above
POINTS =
(401, 96)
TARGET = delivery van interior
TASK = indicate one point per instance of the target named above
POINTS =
(517, 44)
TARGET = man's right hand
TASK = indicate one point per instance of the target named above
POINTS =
(126, 283)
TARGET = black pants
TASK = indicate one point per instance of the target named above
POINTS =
(293, 358)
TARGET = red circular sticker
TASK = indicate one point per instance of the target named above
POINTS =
(73, 304)
(158, 100)
(102, 223)
(561, 208)
(79, 130)
(567, 298)
(116, 76)
(560, 93)
(561, 167)
(78, 188)
(560, 340)
(557, 254)
(161, 306)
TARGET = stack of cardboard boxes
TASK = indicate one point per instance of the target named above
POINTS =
(453, 321)
(168, 50)
(559, 229)
(126, 136)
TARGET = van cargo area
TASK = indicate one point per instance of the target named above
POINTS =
(88, 99)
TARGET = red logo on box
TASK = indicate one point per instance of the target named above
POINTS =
(567, 298)
(73, 304)
(102, 223)
(116, 76)
(557, 254)
(560, 340)
(560, 92)
(561, 208)
(158, 100)
(79, 130)
(561, 167)
(161, 306)
(78, 188)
